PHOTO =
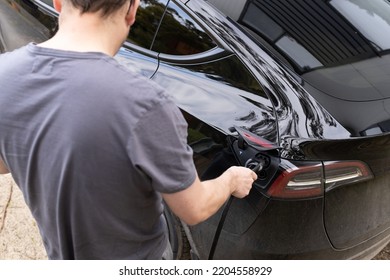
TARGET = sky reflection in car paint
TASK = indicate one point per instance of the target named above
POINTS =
(198, 93)
(216, 104)
(137, 63)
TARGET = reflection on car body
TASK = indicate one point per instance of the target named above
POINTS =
(336, 46)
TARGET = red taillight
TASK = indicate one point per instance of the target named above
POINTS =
(338, 173)
(299, 180)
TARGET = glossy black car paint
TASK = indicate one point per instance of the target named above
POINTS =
(337, 47)
(232, 81)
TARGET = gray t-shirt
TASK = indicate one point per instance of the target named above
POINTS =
(92, 146)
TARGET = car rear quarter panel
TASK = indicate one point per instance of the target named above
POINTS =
(357, 212)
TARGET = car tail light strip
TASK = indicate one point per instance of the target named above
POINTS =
(345, 172)
(300, 180)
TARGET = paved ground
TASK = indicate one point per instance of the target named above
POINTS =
(19, 236)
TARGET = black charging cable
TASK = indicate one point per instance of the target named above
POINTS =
(255, 168)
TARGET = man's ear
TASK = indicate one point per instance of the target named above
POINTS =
(57, 5)
(130, 16)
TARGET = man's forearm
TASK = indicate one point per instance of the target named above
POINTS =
(219, 190)
(202, 199)
(199, 201)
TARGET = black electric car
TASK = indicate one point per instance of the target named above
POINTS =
(324, 175)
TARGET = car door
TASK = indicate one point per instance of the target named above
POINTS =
(211, 86)
(215, 92)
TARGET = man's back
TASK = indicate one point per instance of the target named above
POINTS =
(72, 134)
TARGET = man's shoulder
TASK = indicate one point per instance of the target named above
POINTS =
(8, 55)
(133, 84)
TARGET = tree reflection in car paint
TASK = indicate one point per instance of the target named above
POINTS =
(148, 18)
(180, 35)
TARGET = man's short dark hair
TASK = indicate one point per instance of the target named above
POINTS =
(105, 6)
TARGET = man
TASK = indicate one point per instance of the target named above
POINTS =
(95, 148)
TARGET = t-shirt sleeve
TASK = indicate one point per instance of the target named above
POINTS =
(159, 148)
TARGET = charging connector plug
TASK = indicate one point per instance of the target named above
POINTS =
(255, 165)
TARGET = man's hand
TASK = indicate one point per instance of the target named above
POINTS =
(203, 199)
(241, 180)
(3, 168)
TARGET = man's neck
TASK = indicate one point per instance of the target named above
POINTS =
(85, 33)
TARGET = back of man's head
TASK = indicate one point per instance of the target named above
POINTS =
(106, 7)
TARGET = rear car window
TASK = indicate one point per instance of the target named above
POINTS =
(179, 34)
(148, 19)
(371, 18)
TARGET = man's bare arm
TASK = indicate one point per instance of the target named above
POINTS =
(3, 168)
(202, 199)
